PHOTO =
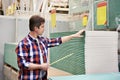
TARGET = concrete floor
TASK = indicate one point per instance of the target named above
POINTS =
(56, 72)
(11, 74)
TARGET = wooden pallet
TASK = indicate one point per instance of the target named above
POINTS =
(61, 8)
(10, 73)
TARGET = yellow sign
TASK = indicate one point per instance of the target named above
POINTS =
(53, 18)
(102, 13)
(85, 20)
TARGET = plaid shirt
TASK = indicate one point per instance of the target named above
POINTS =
(29, 51)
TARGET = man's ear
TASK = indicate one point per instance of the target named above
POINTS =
(35, 28)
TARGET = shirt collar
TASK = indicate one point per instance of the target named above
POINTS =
(31, 38)
(34, 39)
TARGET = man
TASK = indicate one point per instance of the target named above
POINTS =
(32, 51)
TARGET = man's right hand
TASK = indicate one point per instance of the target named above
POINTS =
(44, 66)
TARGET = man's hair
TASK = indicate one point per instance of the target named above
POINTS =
(35, 21)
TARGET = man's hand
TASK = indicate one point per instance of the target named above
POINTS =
(76, 35)
(44, 66)
(79, 33)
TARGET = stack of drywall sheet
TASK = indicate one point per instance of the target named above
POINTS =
(101, 52)
(10, 57)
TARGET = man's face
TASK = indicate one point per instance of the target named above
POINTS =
(40, 30)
